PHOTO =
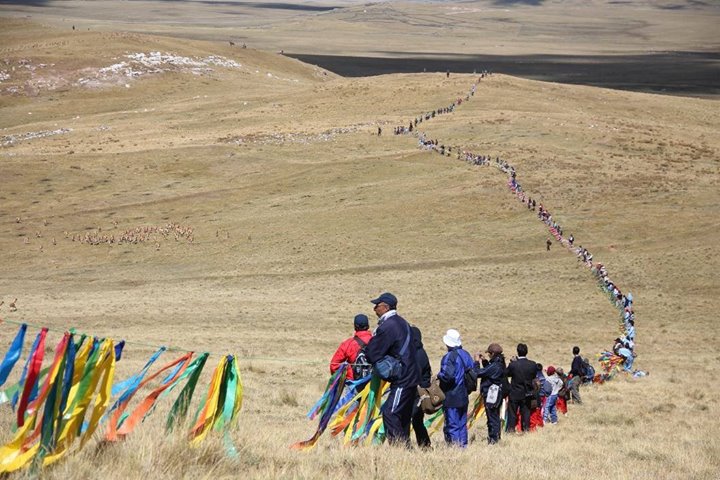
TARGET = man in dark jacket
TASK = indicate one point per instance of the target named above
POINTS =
(452, 382)
(491, 373)
(521, 372)
(423, 363)
(577, 371)
(393, 337)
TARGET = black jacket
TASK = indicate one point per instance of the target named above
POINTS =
(388, 340)
(521, 372)
(421, 358)
(577, 369)
(490, 373)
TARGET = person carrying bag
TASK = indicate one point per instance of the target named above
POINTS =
(491, 373)
(393, 360)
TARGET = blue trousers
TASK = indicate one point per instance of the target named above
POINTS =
(551, 409)
(455, 428)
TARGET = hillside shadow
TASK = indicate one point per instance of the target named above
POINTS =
(289, 6)
(26, 3)
(233, 3)
(681, 73)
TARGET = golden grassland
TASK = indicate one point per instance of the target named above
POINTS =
(301, 214)
(415, 28)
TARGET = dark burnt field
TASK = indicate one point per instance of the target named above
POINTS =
(677, 73)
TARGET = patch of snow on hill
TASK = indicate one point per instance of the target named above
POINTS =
(139, 64)
(8, 140)
(294, 138)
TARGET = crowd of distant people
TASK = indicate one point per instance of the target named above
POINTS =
(413, 124)
(475, 159)
(624, 346)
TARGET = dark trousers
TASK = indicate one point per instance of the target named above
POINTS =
(418, 425)
(493, 424)
(524, 407)
(397, 414)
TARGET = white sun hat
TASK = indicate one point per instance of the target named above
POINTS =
(452, 338)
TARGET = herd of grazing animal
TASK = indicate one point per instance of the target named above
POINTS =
(148, 233)
(142, 234)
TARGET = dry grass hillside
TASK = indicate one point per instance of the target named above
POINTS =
(301, 214)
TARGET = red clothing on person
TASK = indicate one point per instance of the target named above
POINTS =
(562, 405)
(536, 417)
(348, 351)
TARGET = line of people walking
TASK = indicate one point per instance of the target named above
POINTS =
(624, 345)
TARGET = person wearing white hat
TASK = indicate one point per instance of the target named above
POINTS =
(452, 381)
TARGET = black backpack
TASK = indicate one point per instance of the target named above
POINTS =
(470, 379)
(361, 368)
(588, 371)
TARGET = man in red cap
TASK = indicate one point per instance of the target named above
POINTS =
(553, 379)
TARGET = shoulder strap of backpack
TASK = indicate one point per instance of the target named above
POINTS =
(462, 361)
(407, 340)
(455, 361)
(360, 342)
(456, 355)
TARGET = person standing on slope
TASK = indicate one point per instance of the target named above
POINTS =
(521, 372)
(491, 373)
(452, 381)
(418, 416)
(393, 338)
(349, 349)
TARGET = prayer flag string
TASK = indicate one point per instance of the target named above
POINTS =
(60, 407)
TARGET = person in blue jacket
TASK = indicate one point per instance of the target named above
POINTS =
(452, 382)
(394, 337)
(491, 373)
